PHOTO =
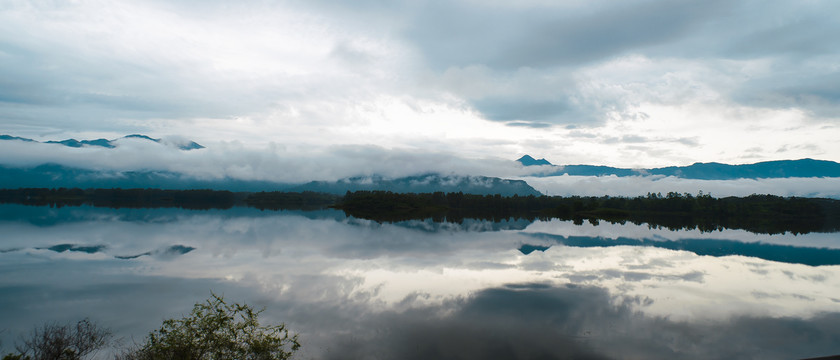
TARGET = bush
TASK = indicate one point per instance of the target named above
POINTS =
(217, 330)
(62, 342)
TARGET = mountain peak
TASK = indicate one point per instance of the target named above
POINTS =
(139, 136)
(527, 160)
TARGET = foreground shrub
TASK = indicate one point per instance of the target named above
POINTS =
(216, 330)
(62, 342)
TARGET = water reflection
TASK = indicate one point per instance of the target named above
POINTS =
(534, 321)
(712, 247)
(360, 289)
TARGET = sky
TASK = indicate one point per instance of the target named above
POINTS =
(630, 84)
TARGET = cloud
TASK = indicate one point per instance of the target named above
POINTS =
(80, 65)
(814, 89)
(502, 110)
(236, 161)
(461, 75)
(509, 37)
(707, 51)
(535, 125)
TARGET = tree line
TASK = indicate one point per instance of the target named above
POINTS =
(767, 214)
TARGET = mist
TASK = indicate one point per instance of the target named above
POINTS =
(235, 160)
(299, 164)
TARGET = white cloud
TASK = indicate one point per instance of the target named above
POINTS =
(271, 163)
(428, 75)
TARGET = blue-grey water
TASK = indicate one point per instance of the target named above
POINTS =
(357, 289)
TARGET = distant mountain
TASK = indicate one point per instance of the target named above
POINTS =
(75, 143)
(706, 171)
(766, 169)
(527, 160)
(54, 176)
(9, 137)
(481, 185)
(185, 145)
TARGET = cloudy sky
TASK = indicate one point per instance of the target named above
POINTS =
(631, 83)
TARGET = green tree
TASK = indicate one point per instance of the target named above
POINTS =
(217, 330)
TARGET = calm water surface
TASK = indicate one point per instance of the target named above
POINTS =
(359, 289)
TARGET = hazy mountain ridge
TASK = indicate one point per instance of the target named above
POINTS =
(110, 144)
(802, 168)
(54, 176)
(481, 185)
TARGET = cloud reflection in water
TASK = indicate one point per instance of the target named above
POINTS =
(360, 289)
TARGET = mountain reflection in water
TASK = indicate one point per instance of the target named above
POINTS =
(712, 247)
(418, 289)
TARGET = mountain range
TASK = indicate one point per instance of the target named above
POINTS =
(802, 168)
(105, 143)
(55, 175)
(52, 175)
(481, 185)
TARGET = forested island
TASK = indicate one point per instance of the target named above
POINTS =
(767, 214)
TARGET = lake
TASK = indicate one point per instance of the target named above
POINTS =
(356, 288)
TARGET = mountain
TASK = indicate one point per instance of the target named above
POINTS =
(75, 143)
(183, 145)
(428, 183)
(54, 176)
(766, 169)
(704, 171)
(9, 137)
(527, 160)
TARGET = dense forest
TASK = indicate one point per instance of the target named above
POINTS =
(766, 214)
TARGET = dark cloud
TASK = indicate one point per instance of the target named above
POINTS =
(796, 41)
(816, 91)
(627, 139)
(534, 125)
(507, 110)
(807, 35)
(510, 37)
(692, 141)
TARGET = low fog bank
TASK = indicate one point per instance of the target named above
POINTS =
(234, 160)
(277, 163)
(566, 185)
